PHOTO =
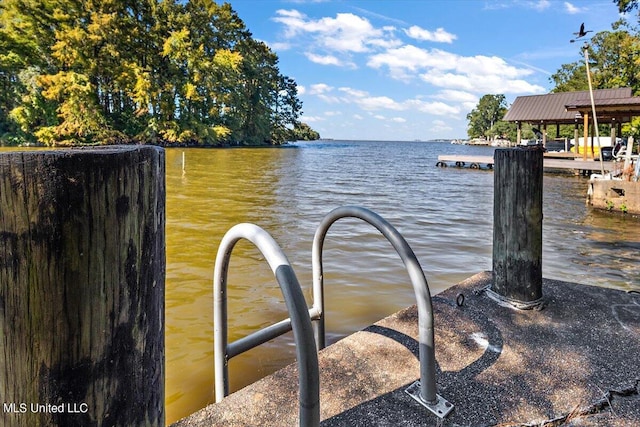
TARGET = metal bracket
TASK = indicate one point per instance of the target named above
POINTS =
(440, 408)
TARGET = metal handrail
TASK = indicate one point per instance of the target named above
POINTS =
(426, 389)
(299, 321)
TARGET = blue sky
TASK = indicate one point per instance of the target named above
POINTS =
(414, 69)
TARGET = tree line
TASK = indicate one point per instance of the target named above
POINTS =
(614, 62)
(147, 71)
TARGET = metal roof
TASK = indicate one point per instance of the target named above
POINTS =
(554, 107)
(632, 103)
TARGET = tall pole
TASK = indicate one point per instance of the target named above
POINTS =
(585, 132)
(593, 104)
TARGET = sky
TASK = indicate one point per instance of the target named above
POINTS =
(413, 69)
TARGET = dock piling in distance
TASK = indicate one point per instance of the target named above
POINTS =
(82, 263)
(517, 227)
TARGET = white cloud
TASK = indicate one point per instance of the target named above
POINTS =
(452, 95)
(323, 59)
(412, 58)
(481, 84)
(372, 103)
(358, 117)
(332, 40)
(379, 16)
(302, 90)
(440, 35)
(468, 106)
(330, 99)
(280, 46)
(473, 74)
(375, 103)
(311, 119)
(440, 126)
(344, 33)
(437, 108)
(319, 88)
(488, 83)
(378, 102)
(540, 5)
(481, 65)
(345, 38)
(405, 57)
(385, 43)
(293, 21)
(354, 92)
(398, 119)
(572, 9)
(494, 5)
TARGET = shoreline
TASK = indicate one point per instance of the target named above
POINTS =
(288, 144)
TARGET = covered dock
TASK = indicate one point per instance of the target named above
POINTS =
(613, 107)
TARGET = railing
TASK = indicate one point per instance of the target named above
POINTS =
(424, 391)
(299, 320)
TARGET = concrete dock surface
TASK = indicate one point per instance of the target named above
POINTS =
(576, 362)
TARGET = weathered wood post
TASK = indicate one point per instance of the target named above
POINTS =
(517, 226)
(82, 265)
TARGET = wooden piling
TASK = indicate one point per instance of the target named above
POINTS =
(82, 265)
(517, 225)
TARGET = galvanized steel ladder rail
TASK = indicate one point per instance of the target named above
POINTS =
(423, 391)
(299, 320)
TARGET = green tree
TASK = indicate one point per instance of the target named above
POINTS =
(253, 98)
(488, 112)
(503, 130)
(25, 34)
(570, 78)
(286, 111)
(614, 61)
(616, 58)
(80, 119)
(159, 71)
(626, 6)
(303, 132)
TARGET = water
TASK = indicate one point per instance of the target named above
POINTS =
(445, 215)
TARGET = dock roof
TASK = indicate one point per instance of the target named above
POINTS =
(567, 107)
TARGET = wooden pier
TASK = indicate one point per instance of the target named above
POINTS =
(550, 163)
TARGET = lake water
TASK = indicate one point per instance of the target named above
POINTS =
(444, 213)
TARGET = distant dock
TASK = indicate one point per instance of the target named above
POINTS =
(551, 162)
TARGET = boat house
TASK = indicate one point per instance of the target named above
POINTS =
(613, 106)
